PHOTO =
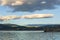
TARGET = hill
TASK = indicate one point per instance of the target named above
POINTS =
(46, 28)
(11, 27)
(15, 27)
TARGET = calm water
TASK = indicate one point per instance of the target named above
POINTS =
(25, 35)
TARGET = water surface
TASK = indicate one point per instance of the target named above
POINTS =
(25, 35)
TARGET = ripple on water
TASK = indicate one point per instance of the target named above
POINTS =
(29, 35)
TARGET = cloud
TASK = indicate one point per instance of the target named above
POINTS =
(37, 16)
(30, 5)
(11, 2)
(32, 16)
(5, 18)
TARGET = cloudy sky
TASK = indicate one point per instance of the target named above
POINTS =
(30, 8)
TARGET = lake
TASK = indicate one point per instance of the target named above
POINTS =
(29, 35)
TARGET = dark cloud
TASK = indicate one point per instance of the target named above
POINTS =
(33, 5)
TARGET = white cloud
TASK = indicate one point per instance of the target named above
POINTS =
(43, 2)
(32, 16)
(4, 2)
(17, 3)
(3, 18)
(12, 2)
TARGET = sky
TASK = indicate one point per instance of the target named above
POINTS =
(4, 11)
